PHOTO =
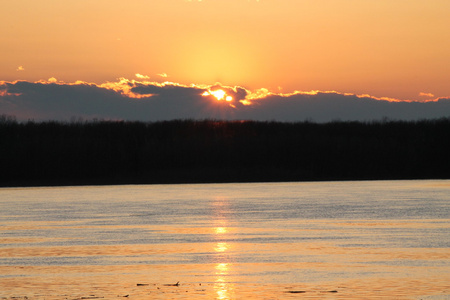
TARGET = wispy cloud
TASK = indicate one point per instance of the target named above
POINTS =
(150, 101)
(140, 76)
(428, 95)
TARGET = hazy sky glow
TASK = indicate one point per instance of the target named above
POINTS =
(386, 49)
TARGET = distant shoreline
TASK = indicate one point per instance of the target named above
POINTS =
(83, 184)
(103, 182)
(209, 151)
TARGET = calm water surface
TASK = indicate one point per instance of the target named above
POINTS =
(331, 240)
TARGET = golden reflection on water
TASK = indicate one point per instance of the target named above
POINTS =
(222, 285)
(222, 269)
(221, 247)
(220, 230)
(315, 266)
(224, 290)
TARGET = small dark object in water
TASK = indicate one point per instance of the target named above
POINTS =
(174, 284)
(296, 292)
(332, 291)
(142, 284)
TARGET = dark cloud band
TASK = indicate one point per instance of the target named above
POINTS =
(147, 101)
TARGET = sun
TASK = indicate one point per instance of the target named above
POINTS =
(220, 95)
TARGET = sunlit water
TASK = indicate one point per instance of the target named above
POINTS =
(331, 240)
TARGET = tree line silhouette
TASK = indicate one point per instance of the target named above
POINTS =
(200, 151)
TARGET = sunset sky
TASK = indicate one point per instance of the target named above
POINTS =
(383, 50)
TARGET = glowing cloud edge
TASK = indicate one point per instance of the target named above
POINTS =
(125, 87)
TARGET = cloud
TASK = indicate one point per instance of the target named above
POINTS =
(428, 95)
(152, 101)
(164, 75)
(20, 68)
(140, 76)
(329, 106)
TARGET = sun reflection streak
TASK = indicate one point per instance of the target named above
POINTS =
(221, 247)
(224, 289)
(222, 268)
(220, 230)
(222, 285)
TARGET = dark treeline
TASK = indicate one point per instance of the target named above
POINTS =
(182, 151)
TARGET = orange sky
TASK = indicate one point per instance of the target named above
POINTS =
(385, 48)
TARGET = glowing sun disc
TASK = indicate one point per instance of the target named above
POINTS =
(219, 95)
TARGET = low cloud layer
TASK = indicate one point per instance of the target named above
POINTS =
(153, 101)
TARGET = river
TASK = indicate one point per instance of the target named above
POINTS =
(307, 240)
